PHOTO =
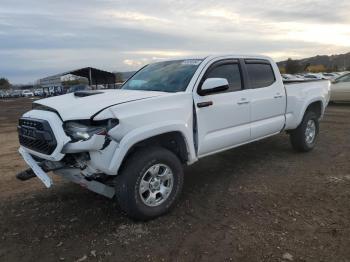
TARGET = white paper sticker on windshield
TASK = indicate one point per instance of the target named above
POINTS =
(191, 62)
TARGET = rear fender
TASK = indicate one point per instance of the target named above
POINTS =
(305, 107)
(293, 120)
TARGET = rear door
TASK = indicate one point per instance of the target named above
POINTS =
(268, 98)
(224, 120)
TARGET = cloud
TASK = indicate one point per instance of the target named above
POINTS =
(43, 37)
(135, 63)
(218, 13)
(134, 17)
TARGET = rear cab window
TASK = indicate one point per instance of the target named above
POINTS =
(260, 73)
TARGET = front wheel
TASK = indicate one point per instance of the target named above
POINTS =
(150, 183)
(304, 137)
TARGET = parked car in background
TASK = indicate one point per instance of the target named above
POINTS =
(330, 76)
(76, 88)
(288, 76)
(27, 93)
(313, 76)
(340, 88)
(5, 94)
(15, 93)
(38, 92)
(291, 78)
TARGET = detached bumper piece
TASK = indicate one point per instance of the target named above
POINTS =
(37, 169)
(45, 166)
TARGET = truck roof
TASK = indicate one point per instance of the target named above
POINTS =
(240, 56)
(210, 57)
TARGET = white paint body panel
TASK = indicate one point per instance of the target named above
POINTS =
(142, 119)
(225, 123)
(144, 114)
(268, 106)
(71, 107)
(301, 95)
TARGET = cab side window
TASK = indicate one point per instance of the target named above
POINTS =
(229, 71)
(260, 74)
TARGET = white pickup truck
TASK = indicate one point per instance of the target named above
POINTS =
(132, 143)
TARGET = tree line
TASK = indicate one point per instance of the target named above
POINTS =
(294, 67)
(4, 83)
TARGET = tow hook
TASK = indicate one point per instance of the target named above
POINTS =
(25, 175)
(45, 165)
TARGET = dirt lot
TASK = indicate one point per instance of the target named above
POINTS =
(260, 202)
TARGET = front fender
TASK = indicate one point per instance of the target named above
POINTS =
(145, 132)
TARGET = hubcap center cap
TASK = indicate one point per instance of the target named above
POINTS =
(155, 184)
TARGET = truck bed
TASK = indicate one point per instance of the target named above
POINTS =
(300, 91)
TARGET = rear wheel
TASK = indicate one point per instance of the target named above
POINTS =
(150, 183)
(304, 137)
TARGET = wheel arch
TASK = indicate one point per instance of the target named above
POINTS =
(176, 138)
(173, 141)
(316, 107)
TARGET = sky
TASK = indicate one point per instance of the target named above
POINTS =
(44, 37)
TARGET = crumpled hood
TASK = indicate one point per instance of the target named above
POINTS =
(71, 107)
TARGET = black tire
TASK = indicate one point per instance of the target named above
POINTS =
(128, 182)
(298, 137)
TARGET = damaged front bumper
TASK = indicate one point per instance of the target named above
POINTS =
(78, 161)
(34, 169)
(74, 175)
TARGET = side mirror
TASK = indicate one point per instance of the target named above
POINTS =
(213, 85)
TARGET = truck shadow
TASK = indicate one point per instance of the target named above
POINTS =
(237, 162)
(68, 207)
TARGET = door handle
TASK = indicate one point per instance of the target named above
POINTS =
(243, 101)
(204, 104)
(278, 95)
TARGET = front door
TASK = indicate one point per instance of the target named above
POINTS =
(224, 121)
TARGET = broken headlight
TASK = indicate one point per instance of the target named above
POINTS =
(84, 129)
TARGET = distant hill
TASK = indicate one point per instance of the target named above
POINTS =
(333, 62)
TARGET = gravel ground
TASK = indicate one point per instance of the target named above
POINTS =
(260, 202)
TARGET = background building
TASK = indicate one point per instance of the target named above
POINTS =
(95, 78)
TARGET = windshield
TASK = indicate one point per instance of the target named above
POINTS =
(169, 76)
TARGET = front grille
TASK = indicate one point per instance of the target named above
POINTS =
(37, 135)
(31, 123)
